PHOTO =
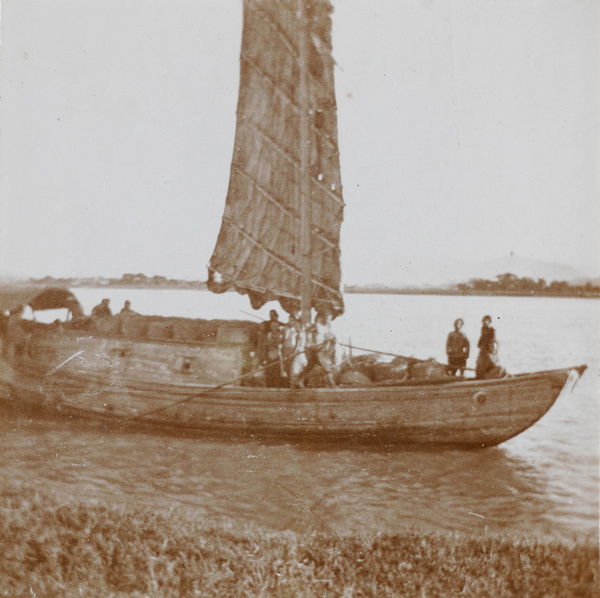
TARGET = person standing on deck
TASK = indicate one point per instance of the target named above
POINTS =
(271, 337)
(292, 351)
(320, 350)
(457, 349)
(487, 366)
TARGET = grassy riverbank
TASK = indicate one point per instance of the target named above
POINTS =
(82, 549)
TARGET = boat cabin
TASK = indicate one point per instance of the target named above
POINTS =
(148, 347)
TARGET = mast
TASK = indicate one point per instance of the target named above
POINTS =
(305, 206)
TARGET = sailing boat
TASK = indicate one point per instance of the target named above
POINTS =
(279, 241)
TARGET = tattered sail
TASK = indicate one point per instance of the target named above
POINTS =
(259, 249)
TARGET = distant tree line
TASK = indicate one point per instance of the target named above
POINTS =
(127, 280)
(505, 284)
(510, 284)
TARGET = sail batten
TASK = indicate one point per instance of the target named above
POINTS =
(285, 155)
(290, 267)
(274, 201)
(278, 32)
(282, 94)
(320, 235)
(290, 159)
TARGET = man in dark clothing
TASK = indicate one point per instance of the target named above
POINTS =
(269, 350)
(487, 361)
(457, 349)
(127, 311)
(102, 310)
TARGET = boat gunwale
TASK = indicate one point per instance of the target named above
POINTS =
(224, 388)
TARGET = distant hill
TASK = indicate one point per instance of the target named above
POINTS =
(521, 267)
(511, 275)
(435, 275)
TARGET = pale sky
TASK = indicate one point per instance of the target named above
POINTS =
(467, 130)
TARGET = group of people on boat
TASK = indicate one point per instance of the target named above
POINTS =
(458, 349)
(14, 334)
(102, 310)
(78, 318)
(289, 356)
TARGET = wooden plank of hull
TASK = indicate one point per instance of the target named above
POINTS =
(470, 413)
(118, 358)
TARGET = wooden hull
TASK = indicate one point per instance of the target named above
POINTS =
(157, 383)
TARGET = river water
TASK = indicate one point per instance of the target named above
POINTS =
(544, 483)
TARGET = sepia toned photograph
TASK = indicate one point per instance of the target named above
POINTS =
(299, 298)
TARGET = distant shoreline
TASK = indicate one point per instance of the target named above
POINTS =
(507, 285)
(469, 293)
(201, 286)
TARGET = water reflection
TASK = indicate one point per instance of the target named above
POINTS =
(282, 486)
